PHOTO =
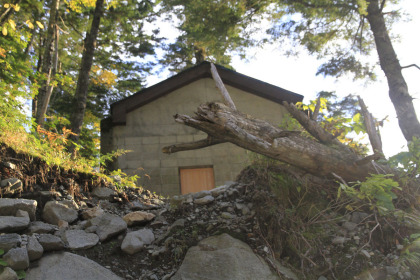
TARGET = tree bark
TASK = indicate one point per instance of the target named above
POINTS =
(80, 97)
(44, 94)
(223, 123)
(398, 90)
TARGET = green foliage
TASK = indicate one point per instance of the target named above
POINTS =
(211, 30)
(408, 162)
(340, 117)
(335, 31)
(377, 190)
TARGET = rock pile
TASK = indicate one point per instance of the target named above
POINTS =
(36, 240)
(212, 234)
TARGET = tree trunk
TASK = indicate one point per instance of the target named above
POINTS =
(80, 96)
(398, 90)
(44, 94)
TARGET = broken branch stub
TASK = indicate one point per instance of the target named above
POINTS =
(373, 133)
(221, 87)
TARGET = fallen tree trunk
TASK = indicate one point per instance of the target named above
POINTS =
(226, 124)
(322, 155)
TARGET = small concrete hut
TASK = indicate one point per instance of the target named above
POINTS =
(144, 124)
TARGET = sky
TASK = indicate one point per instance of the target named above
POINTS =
(298, 74)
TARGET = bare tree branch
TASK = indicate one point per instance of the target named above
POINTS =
(209, 141)
(368, 159)
(219, 84)
(382, 5)
(411, 65)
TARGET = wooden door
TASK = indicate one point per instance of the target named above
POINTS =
(196, 179)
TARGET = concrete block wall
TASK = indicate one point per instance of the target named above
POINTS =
(151, 127)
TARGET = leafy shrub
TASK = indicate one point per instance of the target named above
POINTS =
(377, 190)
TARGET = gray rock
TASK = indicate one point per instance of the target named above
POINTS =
(218, 191)
(8, 274)
(92, 213)
(137, 205)
(17, 258)
(34, 248)
(9, 207)
(322, 278)
(41, 227)
(227, 216)
(365, 253)
(285, 271)
(10, 186)
(107, 226)
(55, 211)
(201, 194)
(358, 217)
(223, 257)
(180, 223)
(9, 241)
(68, 266)
(392, 270)
(79, 239)
(134, 241)
(9, 165)
(51, 242)
(138, 218)
(103, 193)
(13, 224)
(339, 240)
(70, 203)
(204, 200)
(350, 226)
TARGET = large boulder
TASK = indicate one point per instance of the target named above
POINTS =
(17, 258)
(41, 227)
(103, 193)
(13, 224)
(79, 239)
(92, 213)
(134, 241)
(107, 226)
(9, 207)
(223, 257)
(9, 241)
(68, 266)
(55, 211)
(35, 249)
(51, 242)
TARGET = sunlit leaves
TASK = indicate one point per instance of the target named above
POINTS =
(103, 77)
(79, 5)
(40, 25)
(29, 23)
(16, 7)
(12, 24)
